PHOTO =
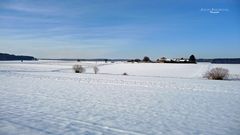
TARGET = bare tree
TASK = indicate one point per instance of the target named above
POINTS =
(95, 69)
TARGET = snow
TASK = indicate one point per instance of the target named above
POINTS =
(46, 97)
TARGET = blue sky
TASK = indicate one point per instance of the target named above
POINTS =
(120, 28)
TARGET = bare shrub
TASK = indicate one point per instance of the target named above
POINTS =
(125, 73)
(78, 69)
(217, 74)
(95, 69)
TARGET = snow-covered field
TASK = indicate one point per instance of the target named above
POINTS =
(46, 97)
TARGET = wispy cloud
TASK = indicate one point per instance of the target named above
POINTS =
(26, 19)
(28, 7)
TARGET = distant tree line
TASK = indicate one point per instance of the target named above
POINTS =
(226, 61)
(5, 56)
(221, 60)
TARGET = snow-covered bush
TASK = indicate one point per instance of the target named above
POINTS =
(217, 74)
(78, 69)
(95, 69)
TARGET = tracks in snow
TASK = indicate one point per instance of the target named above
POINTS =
(48, 124)
(122, 81)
